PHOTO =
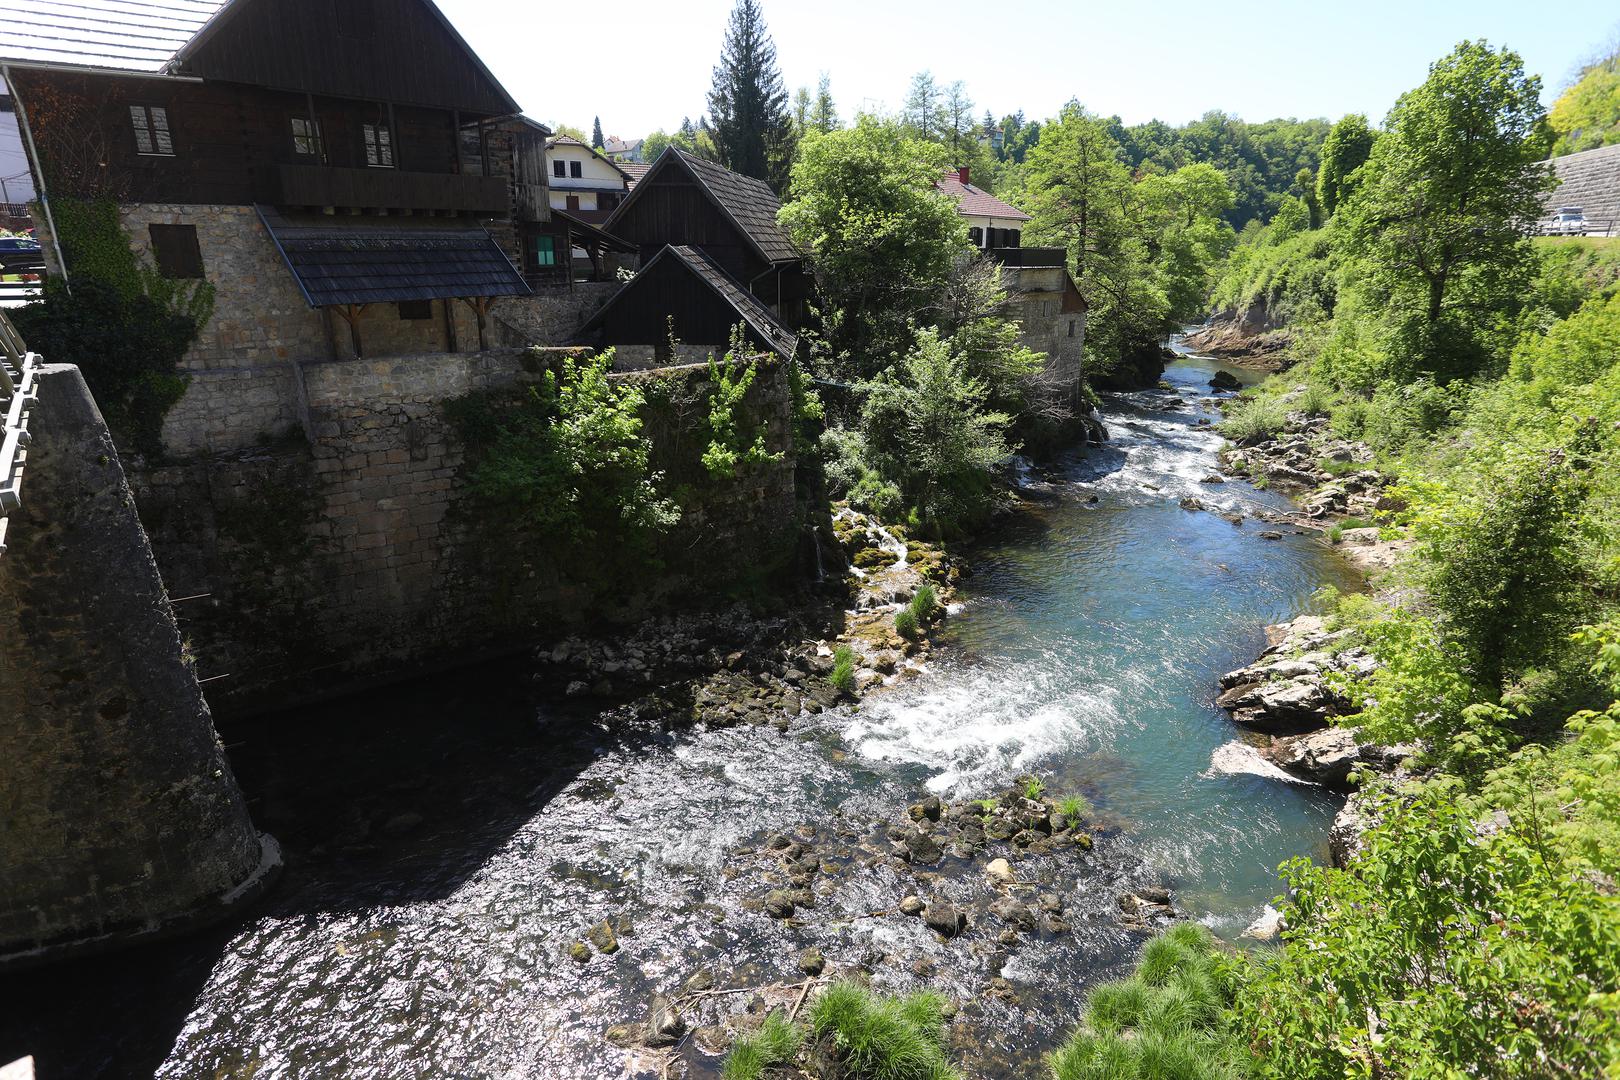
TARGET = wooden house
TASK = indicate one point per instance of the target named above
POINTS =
(683, 200)
(349, 177)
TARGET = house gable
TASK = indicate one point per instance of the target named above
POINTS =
(401, 51)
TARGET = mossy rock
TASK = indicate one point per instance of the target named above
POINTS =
(872, 558)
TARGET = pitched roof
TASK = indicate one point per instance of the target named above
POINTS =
(130, 35)
(379, 264)
(750, 310)
(975, 201)
(616, 145)
(750, 204)
(569, 140)
(634, 170)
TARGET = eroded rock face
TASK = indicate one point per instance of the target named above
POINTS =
(1322, 757)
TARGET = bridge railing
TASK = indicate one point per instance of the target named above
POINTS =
(19, 371)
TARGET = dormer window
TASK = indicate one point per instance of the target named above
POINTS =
(306, 135)
(151, 123)
(379, 145)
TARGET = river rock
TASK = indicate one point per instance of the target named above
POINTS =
(602, 936)
(911, 905)
(999, 870)
(778, 904)
(922, 848)
(1213, 478)
(665, 1025)
(1284, 708)
(944, 918)
(1322, 757)
(1267, 926)
(579, 952)
(1225, 380)
(811, 962)
(1014, 914)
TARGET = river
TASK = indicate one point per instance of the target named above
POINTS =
(447, 840)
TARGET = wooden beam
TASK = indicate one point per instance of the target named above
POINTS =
(450, 326)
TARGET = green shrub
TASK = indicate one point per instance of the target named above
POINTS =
(1336, 534)
(730, 447)
(925, 603)
(1034, 788)
(906, 625)
(1255, 420)
(843, 672)
(776, 1043)
(877, 1038)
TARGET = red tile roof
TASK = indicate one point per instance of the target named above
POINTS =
(975, 201)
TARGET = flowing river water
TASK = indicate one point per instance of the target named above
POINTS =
(447, 840)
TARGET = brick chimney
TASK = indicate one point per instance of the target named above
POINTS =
(962, 175)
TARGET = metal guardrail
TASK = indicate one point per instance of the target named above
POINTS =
(19, 372)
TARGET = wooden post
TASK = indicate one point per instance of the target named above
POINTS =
(351, 314)
(450, 325)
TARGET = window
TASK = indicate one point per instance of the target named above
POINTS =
(545, 251)
(1014, 237)
(306, 135)
(415, 309)
(472, 150)
(151, 123)
(559, 169)
(976, 235)
(574, 170)
(1071, 328)
(379, 145)
(175, 250)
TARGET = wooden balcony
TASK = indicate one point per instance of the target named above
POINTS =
(383, 189)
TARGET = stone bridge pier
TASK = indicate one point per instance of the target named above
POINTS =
(119, 817)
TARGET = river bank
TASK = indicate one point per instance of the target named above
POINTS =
(451, 844)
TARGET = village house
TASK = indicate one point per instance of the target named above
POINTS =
(583, 181)
(622, 150)
(713, 257)
(340, 201)
(1049, 308)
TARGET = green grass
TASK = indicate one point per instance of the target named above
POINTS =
(925, 602)
(1165, 1022)
(1035, 788)
(1074, 808)
(906, 624)
(1336, 534)
(1255, 420)
(775, 1043)
(877, 1038)
(843, 672)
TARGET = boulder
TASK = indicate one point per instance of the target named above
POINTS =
(1225, 380)
(601, 935)
(811, 962)
(778, 904)
(665, 1025)
(1267, 926)
(911, 905)
(1345, 835)
(1321, 757)
(944, 918)
(1287, 707)
(922, 848)
(999, 870)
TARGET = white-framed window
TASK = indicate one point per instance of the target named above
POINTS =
(306, 136)
(151, 123)
(379, 145)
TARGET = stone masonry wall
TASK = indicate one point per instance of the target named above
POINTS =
(119, 816)
(359, 554)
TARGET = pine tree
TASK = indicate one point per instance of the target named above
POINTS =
(596, 133)
(923, 113)
(748, 104)
(824, 114)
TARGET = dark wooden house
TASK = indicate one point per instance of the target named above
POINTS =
(225, 132)
(684, 292)
(686, 201)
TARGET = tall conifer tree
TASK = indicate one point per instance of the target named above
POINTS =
(748, 103)
(596, 133)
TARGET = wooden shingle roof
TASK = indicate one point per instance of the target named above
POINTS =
(130, 35)
(750, 204)
(387, 264)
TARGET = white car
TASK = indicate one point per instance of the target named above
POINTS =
(1567, 221)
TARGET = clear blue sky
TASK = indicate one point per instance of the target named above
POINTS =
(643, 64)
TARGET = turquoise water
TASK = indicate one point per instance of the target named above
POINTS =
(445, 841)
(1088, 648)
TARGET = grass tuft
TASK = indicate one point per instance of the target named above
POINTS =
(883, 1038)
(1074, 808)
(775, 1043)
(843, 672)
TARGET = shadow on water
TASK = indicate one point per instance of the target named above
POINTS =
(383, 800)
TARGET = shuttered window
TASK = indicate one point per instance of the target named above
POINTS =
(545, 251)
(175, 250)
(151, 123)
(379, 145)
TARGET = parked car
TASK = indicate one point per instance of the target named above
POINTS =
(21, 255)
(1567, 221)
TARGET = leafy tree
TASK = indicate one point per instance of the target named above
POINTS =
(748, 105)
(957, 111)
(1081, 197)
(1345, 150)
(1438, 223)
(596, 133)
(927, 425)
(1188, 236)
(881, 240)
(1587, 114)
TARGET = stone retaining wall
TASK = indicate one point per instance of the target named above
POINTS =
(358, 553)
